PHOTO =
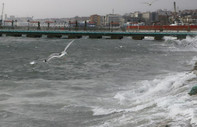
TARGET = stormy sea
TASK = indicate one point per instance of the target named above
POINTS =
(99, 83)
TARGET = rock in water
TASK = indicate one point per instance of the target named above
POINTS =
(195, 66)
(193, 91)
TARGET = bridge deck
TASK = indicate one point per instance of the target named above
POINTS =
(90, 33)
(100, 33)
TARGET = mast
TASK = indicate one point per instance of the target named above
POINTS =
(175, 11)
(175, 7)
(176, 19)
(2, 14)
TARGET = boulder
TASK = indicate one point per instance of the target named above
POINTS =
(193, 91)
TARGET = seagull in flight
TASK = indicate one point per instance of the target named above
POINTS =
(59, 55)
(150, 3)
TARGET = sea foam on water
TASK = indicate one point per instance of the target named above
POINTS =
(168, 94)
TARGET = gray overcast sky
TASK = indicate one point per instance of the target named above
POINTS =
(71, 8)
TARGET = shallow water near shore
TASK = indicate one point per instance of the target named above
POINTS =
(100, 83)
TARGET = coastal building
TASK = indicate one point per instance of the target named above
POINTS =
(131, 18)
(189, 16)
(146, 16)
(164, 17)
(136, 14)
(150, 17)
(115, 19)
(96, 19)
(163, 20)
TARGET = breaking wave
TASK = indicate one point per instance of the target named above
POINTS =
(165, 98)
(188, 44)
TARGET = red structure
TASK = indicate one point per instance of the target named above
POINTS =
(49, 22)
(8, 21)
(184, 27)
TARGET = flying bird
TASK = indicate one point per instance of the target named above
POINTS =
(150, 3)
(59, 55)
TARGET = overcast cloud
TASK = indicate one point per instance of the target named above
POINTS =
(71, 8)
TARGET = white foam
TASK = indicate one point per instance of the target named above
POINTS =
(176, 112)
(164, 93)
(188, 44)
(193, 61)
(172, 81)
(107, 111)
(149, 38)
(182, 78)
(122, 120)
(176, 103)
(32, 62)
(166, 38)
(101, 111)
(120, 97)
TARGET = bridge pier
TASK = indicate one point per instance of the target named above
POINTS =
(74, 36)
(14, 34)
(159, 37)
(180, 37)
(34, 35)
(54, 36)
(95, 36)
(116, 37)
(137, 37)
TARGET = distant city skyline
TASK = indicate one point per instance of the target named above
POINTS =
(72, 8)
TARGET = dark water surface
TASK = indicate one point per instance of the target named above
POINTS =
(100, 83)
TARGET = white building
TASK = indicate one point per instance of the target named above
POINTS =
(114, 18)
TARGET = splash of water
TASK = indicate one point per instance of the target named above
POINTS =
(188, 44)
(165, 96)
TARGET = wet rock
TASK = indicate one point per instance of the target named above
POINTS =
(195, 67)
(193, 91)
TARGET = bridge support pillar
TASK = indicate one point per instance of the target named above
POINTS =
(74, 36)
(137, 37)
(180, 37)
(14, 34)
(159, 37)
(95, 36)
(34, 35)
(54, 36)
(116, 37)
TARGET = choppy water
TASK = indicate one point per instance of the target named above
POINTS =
(101, 83)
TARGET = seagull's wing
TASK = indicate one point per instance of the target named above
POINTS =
(68, 45)
(54, 55)
(150, 3)
(58, 55)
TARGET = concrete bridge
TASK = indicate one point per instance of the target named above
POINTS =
(95, 35)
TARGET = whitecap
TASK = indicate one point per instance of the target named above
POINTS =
(101, 111)
(188, 44)
(32, 62)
